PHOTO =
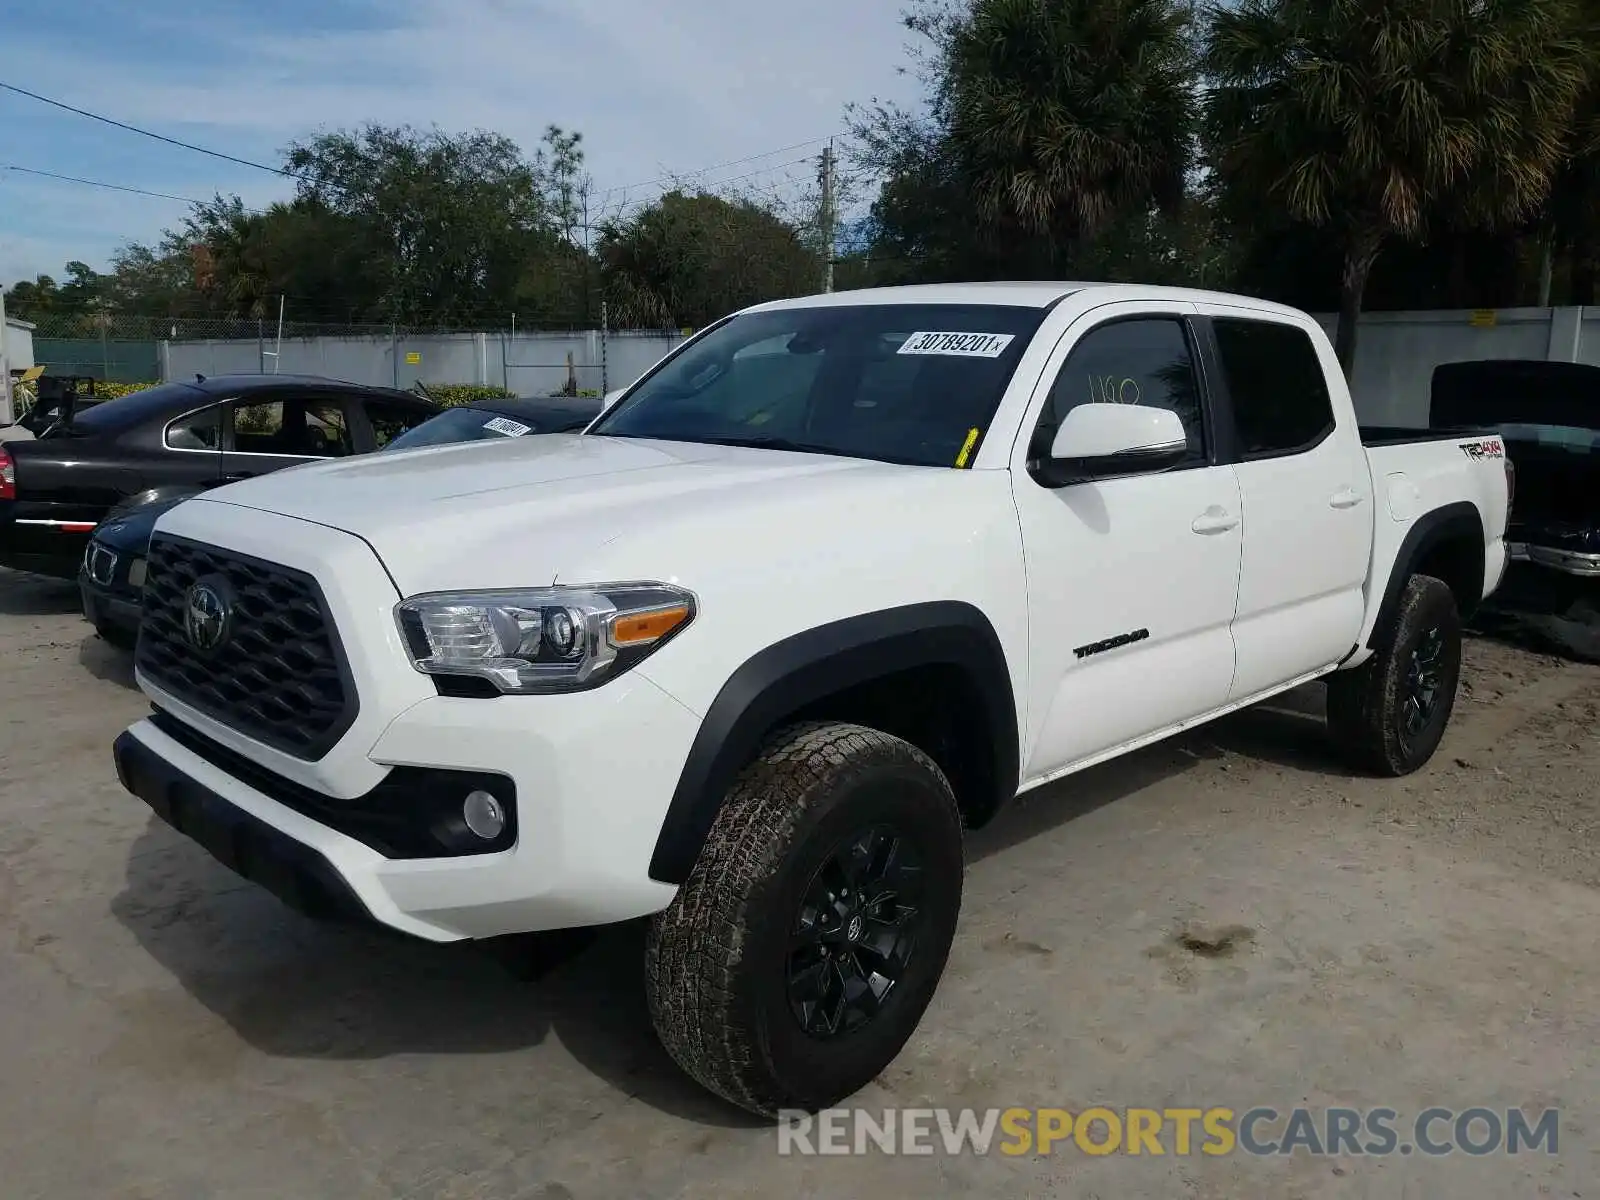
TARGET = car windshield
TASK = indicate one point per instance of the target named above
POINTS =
(1571, 438)
(903, 383)
(462, 425)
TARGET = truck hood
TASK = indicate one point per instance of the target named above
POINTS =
(526, 509)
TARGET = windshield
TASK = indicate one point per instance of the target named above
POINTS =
(461, 425)
(904, 383)
(1558, 437)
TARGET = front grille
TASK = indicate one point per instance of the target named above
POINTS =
(278, 675)
(100, 564)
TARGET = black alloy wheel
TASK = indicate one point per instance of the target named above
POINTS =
(856, 931)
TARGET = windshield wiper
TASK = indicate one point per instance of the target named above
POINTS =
(777, 443)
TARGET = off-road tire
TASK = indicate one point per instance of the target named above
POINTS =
(1365, 705)
(717, 958)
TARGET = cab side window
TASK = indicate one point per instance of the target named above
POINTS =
(1144, 360)
(1276, 386)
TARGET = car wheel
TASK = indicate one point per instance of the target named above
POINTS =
(1389, 714)
(115, 635)
(799, 956)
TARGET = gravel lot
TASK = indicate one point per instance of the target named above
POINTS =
(171, 1031)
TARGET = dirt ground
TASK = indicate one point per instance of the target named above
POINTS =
(167, 1030)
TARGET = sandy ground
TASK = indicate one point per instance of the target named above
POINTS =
(169, 1031)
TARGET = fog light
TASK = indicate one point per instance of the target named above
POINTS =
(483, 815)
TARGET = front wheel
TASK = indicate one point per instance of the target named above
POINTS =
(798, 958)
(1389, 714)
(116, 636)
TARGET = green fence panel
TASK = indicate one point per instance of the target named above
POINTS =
(117, 361)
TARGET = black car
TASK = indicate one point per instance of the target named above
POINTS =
(113, 565)
(1549, 415)
(179, 439)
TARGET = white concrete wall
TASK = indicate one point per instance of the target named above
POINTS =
(528, 364)
(19, 345)
(1397, 352)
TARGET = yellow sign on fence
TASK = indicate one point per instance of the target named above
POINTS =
(1482, 318)
(412, 358)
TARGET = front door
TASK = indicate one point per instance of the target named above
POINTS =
(1131, 581)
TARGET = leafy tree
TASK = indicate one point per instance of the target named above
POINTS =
(1367, 116)
(27, 299)
(689, 259)
(456, 216)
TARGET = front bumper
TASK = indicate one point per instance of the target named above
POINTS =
(294, 872)
(1570, 562)
(594, 773)
(104, 605)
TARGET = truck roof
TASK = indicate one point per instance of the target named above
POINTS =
(1041, 294)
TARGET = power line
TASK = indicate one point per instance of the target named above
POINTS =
(160, 137)
(736, 162)
(116, 187)
(721, 183)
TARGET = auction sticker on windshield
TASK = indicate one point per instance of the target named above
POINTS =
(962, 345)
(507, 426)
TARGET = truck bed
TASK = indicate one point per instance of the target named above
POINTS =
(1393, 435)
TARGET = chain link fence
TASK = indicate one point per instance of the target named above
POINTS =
(137, 348)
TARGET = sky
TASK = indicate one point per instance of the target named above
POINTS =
(655, 88)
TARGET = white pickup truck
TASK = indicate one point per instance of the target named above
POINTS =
(837, 578)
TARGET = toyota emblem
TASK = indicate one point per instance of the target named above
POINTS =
(206, 612)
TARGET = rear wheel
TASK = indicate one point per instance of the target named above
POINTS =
(801, 953)
(1389, 714)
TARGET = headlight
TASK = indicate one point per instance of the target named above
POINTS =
(558, 639)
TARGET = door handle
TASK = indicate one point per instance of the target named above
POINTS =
(1345, 498)
(1215, 520)
(238, 476)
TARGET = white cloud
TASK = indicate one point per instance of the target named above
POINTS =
(654, 88)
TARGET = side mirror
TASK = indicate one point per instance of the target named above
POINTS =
(1101, 441)
(611, 398)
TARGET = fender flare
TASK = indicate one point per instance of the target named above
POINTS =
(1459, 519)
(789, 675)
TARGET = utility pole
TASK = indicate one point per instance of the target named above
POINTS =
(7, 413)
(829, 216)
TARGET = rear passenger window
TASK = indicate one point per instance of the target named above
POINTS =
(196, 431)
(1275, 382)
(1141, 361)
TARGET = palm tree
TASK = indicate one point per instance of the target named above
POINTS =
(1068, 113)
(1570, 222)
(1365, 115)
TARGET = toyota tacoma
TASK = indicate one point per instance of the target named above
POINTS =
(837, 579)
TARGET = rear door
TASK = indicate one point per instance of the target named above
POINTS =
(268, 433)
(190, 449)
(1306, 493)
